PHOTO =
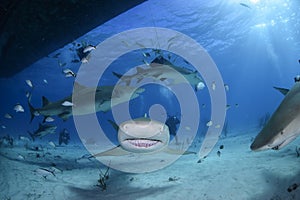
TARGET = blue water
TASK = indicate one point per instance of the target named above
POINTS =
(254, 48)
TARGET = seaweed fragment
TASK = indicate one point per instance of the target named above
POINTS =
(103, 177)
(174, 178)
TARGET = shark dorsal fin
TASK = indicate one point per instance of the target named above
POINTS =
(158, 61)
(45, 101)
(283, 91)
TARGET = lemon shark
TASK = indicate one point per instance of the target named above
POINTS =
(142, 136)
(160, 70)
(103, 99)
(284, 125)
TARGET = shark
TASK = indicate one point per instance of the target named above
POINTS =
(103, 99)
(159, 70)
(283, 126)
(142, 136)
(43, 130)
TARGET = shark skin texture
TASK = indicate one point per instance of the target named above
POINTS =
(284, 125)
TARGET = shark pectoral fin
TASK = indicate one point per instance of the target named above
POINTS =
(177, 152)
(283, 91)
(117, 151)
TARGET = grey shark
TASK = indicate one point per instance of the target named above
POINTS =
(103, 99)
(142, 136)
(43, 130)
(284, 125)
(159, 70)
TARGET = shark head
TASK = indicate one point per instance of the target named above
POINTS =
(143, 135)
(275, 139)
(283, 126)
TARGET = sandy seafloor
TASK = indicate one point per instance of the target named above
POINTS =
(237, 173)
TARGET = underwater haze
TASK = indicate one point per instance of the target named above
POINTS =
(255, 46)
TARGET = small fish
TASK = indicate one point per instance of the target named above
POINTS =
(45, 81)
(89, 48)
(49, 119)
(19, 108)
(218, 126)
(146, 63)
(245, 5)
(8, 116)
(27, 94)
(292, 187)
(20, 157)
(227, 106)
(213, 85)
(69, 73)
(44, 172)
(2, 126)
(67, 103)
(187, 128)
(146, 54)
(226, 87)
(29, 83)
(219, 153)
(209, 123)
(23, 138)
(52, 144)
(200, 86)
(236, 105)
(86, 58)
(221, 146)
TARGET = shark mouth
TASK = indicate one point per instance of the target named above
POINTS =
(142, 142)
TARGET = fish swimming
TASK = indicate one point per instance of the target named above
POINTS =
(159, 70)
(88, 48)
(143, 136)
(103, 99)
(245, 5)
(19, 108)
(29, 83)
(283, 126)
(43, 130)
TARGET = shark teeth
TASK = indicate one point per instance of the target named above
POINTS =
(143, 143)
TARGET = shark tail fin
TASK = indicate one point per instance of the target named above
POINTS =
(32, 111)
(31, 135)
